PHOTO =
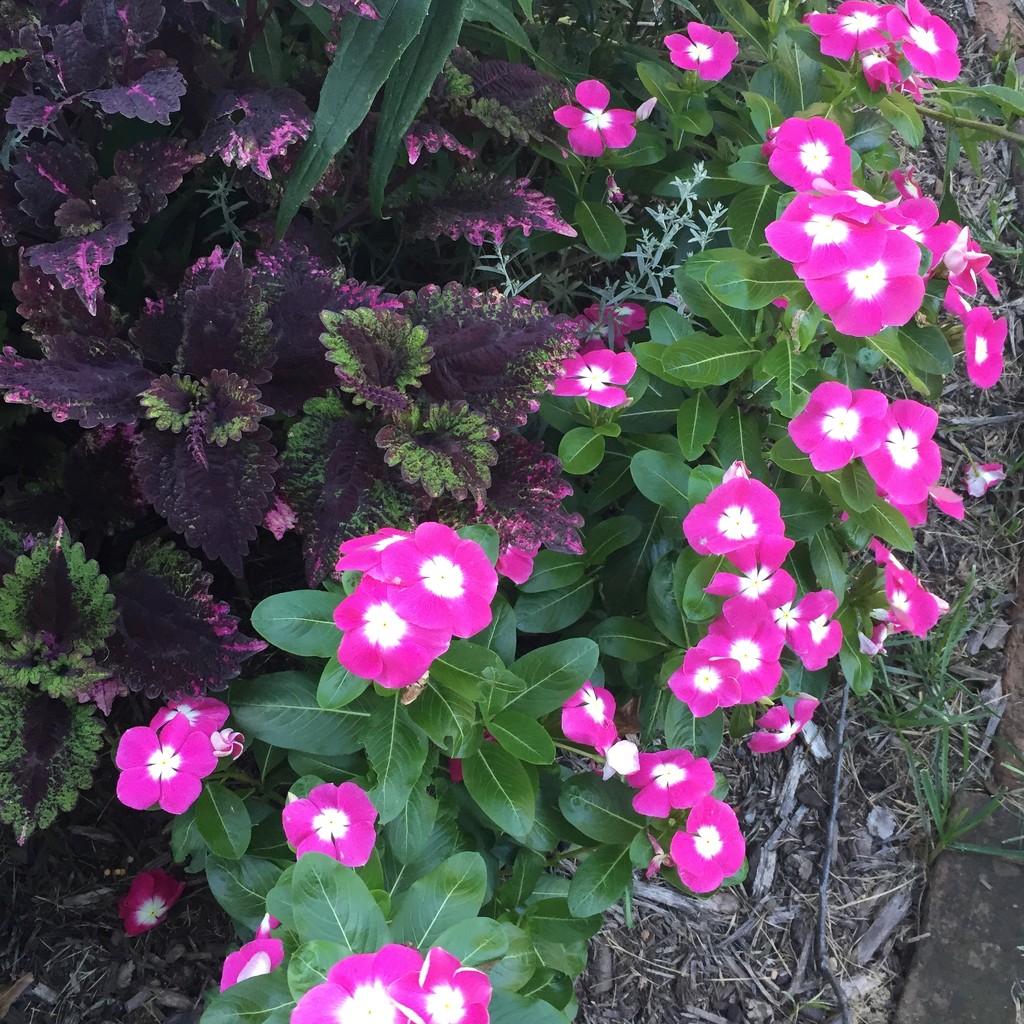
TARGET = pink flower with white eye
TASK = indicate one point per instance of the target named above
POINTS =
(516, 563)
(593, 375)
(911, 607)
(703, 50)
(881, 68)
(440, 581)
(979, 478)
(588, 716)
(165, 767)
(266, 926)
(706, 681)
(779, 727)
(612, 325)
(228, 743)
(444, 992)
(333, 820)
(875, 644)
(150, 896)
(907, 462)
(855, 26)
(837, 425)
(379, 643)
(255, 958)
(880, 287)
(746, 633)
(357, 989)
(363, 554)
(984, 339)
(761, 576)
(621, 758)
(203, 713)
(737, 513)
(670, 780)
(808, 630)
(712, 847)
(804, 150)
(595, 127)
(928, 42)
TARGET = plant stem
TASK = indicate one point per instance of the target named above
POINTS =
(593, 755)
(993, 130)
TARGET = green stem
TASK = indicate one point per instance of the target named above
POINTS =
(592, 754)
(992, 130)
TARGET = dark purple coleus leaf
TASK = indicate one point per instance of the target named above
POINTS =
(153, 98)
(76, 262)
(497, 353)
(113, 199)
(121, 25)
(214, 496)
(93, 380)
(96, 491)
(49, 174)
(477, 206)
(271, 121)
(157, 167)
(81, 63)
(48, 748)
(49, 309)
(28, 112)
(172, 638)
(423, 135)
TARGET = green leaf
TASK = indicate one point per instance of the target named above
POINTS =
(859, 491)
(600, 881)
(408, 85)
(516, 966)
(602, 229)
(511, 1008)
(787, 456)
(581, 451)
(551, 571)
(663, 479)
(787, 367)
(900, 112)
(551, 674)
(628, 639)
(554, 609)
(299, 622)
(608, 536)
(281, 709)
(501, 788)
(223, 821)
(749, 214)
(338, 686)
(739, 437)
(309, 964)
(886, 523)
(701, 736)
(331, 902)
(465, 667)
(551, 920)
(803, 513)
(661, 601)
(523, 737)
(450, 894)
(241, 886)
(500, 635)
(365, 56)
(745, 20)
(751, 282)
(264, 999)
(696, 425)
(484, 535)
(449, 718)
(497, 14)
(702, 360)
(476, 941)
(827, 561)
(601, 810)
(409, 830)
(397, 752)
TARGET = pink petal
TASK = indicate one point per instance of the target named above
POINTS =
(593, 94)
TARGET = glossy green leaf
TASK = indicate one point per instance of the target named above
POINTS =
(886, 523)
(338, 686)
(554, 609)
(299, 622)
(223, 821)
(752, 282)
(628, 639)
(804, 513)
(309, 964)
(702, 360)
(331, 902)
(696, 425)
(663, 479)
(241, 886)
(523, 737)
(264, 999)
(397, 751)
(551, 571)
(602, 229)
(600, 881)
(601, 810)
(449, 718)
(476, 941)
(551, 674)
(449, 894)
(501, 788)
(701, 736)
(608, 536)
(581, 450)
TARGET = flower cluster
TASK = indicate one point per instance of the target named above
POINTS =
(150, 896)
(336, 820)
(595, 128)
(165, 762)
(883, 35)
(418, 590)
(398, 985)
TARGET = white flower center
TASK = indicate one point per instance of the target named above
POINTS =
(902, 445)
(700, 52)
(383, 626)
(980, 348)
(706, 680)
(441, 576)
(756, 583)
(737, 523)
(826, 230)
(258, 964)
(668, 775)
(747, 653)
(815, 157)
(593, 705)
(596, 119)
(594, 378)
(818, 628)
(785, 617)
(708, 842)
(900, 601)
(163, 764)
(446, 1005)
(840, 424)
(330, 824)
(859, 21)
(369, 1004)
(191, 713)
(924, 38)
(150, 911)
(386, 542)
(867, 282)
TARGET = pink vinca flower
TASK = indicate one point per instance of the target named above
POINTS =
(761, 576)
(621, 758)
(928, 42)
(703, 50)
(261, 956)
(363, 554)
(595, 127)
(593, 375)
(379, 643)
(804, 150)
(444, 992)
(779, 728)
(855, 26)
(440, 581)
(881, 68)
(739, 512)
(150, 896)
(609, 327)
(333, 820)
(907, 462)
(266, 926)
(809, 629)
(588, 716)
(873, 645)
(203, 713)
(982, 477)
(228, 743)
(165, 767)
(965, 263)
(746, 633)
(670, 780)
(712, 847)
(357, 989)
(516, 563)
(911, 607)
(838, 425)
(706, 681)
(984, 340)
